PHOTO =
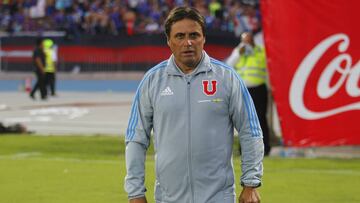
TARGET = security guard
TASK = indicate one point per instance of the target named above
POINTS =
(251, 66)
(50, 65)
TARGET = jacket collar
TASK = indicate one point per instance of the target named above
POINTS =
(203, 66)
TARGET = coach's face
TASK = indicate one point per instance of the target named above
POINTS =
(186, 41)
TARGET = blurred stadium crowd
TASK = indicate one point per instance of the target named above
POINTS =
(76, 17)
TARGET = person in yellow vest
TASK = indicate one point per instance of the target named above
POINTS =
(249, 61)
(50, 65)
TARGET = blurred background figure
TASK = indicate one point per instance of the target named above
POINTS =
(50, 65)
(39, 69)
(114, 17)
(249, 61)
(15, 129)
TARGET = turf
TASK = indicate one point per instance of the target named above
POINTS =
(89, 169)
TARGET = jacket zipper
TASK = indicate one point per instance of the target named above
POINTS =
(189, 140)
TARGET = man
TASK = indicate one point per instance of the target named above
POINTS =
(192, 103)
(50, 67)
(39, 64)
(249, 61)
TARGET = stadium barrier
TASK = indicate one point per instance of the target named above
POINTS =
(104, 53)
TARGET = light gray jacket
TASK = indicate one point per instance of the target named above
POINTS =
(193, 119)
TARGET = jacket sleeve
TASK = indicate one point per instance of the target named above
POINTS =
(233, 58)
(137, 141)
(246, 122)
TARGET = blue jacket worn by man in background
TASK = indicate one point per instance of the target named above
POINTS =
(192, 103)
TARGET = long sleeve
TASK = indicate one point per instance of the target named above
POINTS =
(135, 167)
(250, 134)
(137, 141)
(233, 58)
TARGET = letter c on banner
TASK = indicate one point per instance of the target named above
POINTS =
(324, 91)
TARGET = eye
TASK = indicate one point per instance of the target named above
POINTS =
(180, 36)
(194, 35)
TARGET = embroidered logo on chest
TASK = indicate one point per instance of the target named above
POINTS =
(209, 87)
(166, 92)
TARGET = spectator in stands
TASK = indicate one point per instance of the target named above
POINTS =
(73, 22)
(38, 9)
(60, 20)
(97, 19)
(129, 19)
(113, 16)
(5, 20)
(249, 61)
(246, 18)
(18, 20)
(116, 22)
(214, 7)
(39, 69)
(63, 4)
(5, 5)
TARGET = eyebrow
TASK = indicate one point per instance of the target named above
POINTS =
(183, 33)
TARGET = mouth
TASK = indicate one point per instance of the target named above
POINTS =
(188, 53)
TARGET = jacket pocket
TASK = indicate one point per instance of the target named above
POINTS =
(209, 174)
(171, 175)
(229, 195)
(159, 193)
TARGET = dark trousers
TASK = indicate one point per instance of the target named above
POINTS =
(39, 85)
(50, 82)
(259, 95)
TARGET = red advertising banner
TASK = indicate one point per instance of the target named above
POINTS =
(313, 50)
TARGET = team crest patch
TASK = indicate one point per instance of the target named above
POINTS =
(209, 87)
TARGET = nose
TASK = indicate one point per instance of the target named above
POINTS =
(189, 42)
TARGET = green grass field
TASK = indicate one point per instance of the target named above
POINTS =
(91, 169)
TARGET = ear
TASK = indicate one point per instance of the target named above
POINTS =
(168, 41)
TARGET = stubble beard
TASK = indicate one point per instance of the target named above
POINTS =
(191, 63)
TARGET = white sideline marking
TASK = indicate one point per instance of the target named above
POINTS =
(328, 171)
(21, 155)
(31, 155)
(70, 112)
(28, 119)
(3, 107)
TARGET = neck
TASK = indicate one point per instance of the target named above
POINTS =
(186, 69)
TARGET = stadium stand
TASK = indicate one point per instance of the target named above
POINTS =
(112, 35)
(77, 17)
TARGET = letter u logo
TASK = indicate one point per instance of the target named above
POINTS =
(209, 91)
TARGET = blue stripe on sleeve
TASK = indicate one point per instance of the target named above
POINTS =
(250, 109)
(134, 115)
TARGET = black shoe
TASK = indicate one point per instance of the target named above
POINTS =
(32, 97)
